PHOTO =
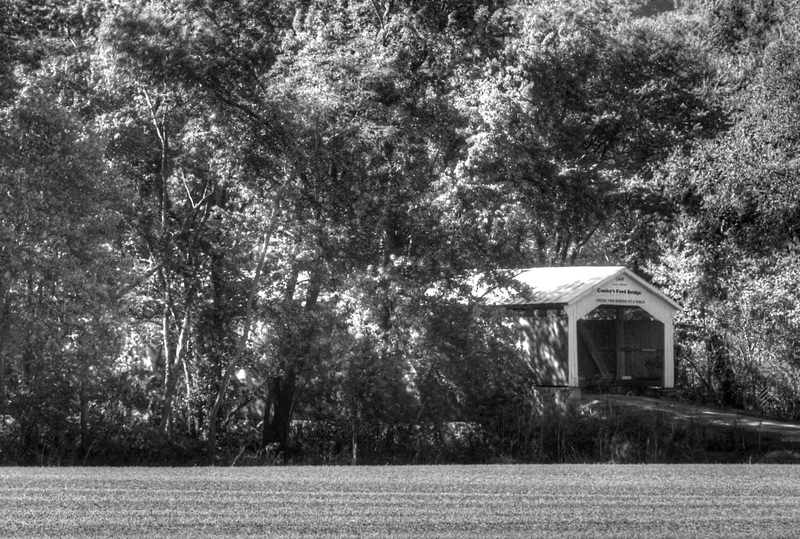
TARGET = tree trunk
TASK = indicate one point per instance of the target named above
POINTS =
(84, 415)
(722, 370)
(5, 332)
(159, 122)
(234, 362)
(284, 388)
(354, 456)
(278, 420)
(172, 370)
(169, 359)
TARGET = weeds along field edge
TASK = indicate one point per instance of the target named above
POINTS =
(407, 501)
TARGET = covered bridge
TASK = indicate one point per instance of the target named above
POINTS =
(592, 325)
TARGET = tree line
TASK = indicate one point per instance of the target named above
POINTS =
(238, 227)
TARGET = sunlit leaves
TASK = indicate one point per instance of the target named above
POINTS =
(729, 252)
(585, 101)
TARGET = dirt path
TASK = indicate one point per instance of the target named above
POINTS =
(782, 430)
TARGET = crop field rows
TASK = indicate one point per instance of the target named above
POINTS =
(447, 501)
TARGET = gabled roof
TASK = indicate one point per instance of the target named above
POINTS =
(565, 285)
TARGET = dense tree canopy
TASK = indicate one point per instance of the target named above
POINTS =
(235, 228)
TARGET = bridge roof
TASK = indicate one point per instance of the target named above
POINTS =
(565, 285)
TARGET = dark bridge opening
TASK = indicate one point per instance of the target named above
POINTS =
(621, 346)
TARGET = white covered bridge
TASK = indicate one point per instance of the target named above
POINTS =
(590, 325)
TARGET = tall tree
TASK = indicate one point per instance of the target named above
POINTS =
(580, 108)
(353, 101)
(730, 248)
(57, 234)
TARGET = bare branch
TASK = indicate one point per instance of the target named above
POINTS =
(127, 288)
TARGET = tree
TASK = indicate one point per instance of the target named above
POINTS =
(574, 116)
(201, 191)
(354, 103)
(730, 250)
(57, 286)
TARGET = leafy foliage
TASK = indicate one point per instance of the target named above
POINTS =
(730, 251)
(349, 168)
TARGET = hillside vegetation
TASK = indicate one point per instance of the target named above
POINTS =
(249, 229)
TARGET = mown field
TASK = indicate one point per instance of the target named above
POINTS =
(436, 501)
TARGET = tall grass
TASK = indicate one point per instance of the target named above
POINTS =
(556, 435)
(542, 434)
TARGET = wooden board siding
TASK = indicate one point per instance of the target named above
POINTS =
(545, 342)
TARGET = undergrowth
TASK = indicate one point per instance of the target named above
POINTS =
(551, 434)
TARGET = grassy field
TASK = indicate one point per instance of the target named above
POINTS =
(436, 501)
